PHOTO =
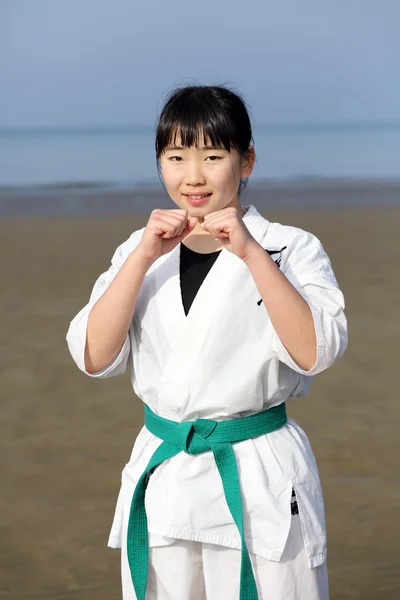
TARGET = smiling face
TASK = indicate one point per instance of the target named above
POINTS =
(203, 178)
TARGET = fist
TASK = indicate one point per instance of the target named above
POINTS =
(227, 226)
(165, 229)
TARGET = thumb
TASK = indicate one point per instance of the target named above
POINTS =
(190, 225)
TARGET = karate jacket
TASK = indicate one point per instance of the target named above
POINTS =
(224, 360)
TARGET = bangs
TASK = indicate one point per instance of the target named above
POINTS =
(194, 119)
(196, 134)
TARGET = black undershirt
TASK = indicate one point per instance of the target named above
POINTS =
(194, 268)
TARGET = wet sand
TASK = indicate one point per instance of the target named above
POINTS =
(65, 437)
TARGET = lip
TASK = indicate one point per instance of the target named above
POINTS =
(197, 201)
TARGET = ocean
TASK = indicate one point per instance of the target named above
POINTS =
(124, 157)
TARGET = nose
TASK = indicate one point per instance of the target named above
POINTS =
(194, 174)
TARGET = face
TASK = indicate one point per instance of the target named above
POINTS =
(204, 179)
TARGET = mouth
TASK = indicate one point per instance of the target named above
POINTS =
(197, 199)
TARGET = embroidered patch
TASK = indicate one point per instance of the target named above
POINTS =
(277, 260)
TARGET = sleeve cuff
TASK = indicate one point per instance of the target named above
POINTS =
(114, 368)
(76, 339)
(319, 364)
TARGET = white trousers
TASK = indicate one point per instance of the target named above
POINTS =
(196, 571)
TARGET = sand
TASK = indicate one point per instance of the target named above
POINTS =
(65, 437)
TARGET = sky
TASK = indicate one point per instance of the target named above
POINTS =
(111, 62)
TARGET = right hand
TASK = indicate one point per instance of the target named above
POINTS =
(165, 229)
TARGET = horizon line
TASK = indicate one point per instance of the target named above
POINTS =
(277, 126)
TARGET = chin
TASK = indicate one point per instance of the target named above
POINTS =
(204, 209)
(198, 210)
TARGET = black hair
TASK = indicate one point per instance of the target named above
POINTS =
(214, 112)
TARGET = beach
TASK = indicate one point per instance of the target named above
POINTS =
(66, 437)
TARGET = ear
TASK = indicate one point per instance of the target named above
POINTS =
(248, 162)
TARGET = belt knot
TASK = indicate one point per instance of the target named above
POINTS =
(192, 436)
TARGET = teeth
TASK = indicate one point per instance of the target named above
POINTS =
(197, 197)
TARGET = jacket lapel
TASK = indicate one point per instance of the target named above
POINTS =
(186, 334)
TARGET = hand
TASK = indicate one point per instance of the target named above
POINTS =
(165, 229)
(227, 226)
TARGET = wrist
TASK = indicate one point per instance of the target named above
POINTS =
(144, 260)
(253, 254)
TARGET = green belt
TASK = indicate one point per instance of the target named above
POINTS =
(196, 437)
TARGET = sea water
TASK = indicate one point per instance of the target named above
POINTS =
(125, 156)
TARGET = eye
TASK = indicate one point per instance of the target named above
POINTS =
(214, 158)
(175, 158)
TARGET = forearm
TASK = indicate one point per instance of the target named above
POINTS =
(290, 314)
(110, 318)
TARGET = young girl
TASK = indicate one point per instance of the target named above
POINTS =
(222, 316)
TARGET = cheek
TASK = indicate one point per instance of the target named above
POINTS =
(170, 177)
(228, 178)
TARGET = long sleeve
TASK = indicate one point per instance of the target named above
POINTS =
(309, 269)
(76, 335)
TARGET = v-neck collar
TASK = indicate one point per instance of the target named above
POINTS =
(203, 254)
(212, 291)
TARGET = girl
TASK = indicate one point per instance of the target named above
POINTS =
(222, 316)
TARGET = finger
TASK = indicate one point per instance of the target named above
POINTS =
(170, 224)
(219, 228)
(225, 213)
(212, 230)
(223, 220)
(181, 214)
(171, 217)
(218, 222)
(163, 228)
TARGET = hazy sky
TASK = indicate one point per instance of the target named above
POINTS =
(89, 62)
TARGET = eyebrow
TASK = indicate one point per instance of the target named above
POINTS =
(202, 148)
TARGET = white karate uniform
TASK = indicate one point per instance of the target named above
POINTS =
(224, 360)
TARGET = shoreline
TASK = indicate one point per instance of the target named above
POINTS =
(97, 199)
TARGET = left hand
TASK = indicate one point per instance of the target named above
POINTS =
(227, 226)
